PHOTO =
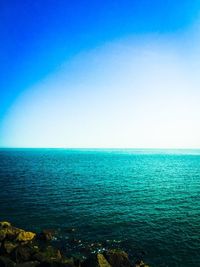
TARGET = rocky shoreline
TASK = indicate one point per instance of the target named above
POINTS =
(21, 248)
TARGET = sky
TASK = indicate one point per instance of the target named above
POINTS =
(118, 74)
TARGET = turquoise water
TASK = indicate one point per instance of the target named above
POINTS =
(148, 201)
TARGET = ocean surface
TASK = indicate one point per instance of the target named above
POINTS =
(145, 201)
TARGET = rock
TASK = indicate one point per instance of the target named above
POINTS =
(90, 262)
(25, 236)
(69, 262)
(58, 263)
(55, 264)
(6, 262)
(2, 234)
(9, 233)
(102, 261)
(22, 254)
(117, 258)
(96, 260)
(140, 263)
(19, 248)
(12, 232)
(28, 264)
(8, 246)
(48, 254)
(46, 235)
(5, 224)
(64, 262)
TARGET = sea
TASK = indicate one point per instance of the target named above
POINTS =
(145, 201)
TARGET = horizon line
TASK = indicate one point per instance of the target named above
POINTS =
(96, 148)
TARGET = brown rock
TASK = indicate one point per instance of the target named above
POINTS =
(46, 235)
(117, 258)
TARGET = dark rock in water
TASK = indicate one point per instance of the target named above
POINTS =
(46, 235)
(97, 260)
(117, 258)
(48, 254)
(90, 262)
(140, 263)
(6, 262)
(77, 262)
(28, 264)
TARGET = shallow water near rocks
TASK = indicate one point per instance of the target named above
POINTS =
(145, 201)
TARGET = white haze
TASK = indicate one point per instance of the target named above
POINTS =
(142, 92)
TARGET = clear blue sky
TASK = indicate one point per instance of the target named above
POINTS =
(37, 37)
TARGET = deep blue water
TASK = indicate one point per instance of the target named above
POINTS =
(149, 200)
